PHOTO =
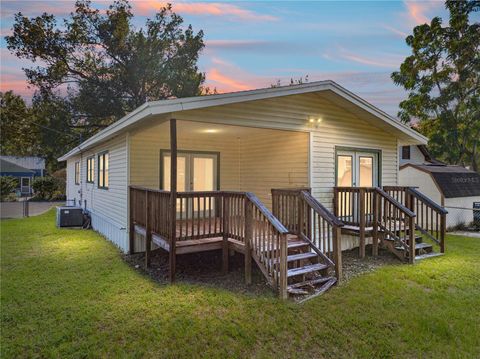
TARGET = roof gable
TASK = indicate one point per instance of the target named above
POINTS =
(191, 103)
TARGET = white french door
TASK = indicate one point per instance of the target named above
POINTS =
(195, 171)
(357, 169)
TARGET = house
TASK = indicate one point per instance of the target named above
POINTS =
(23, 168)
(275, 174)
(416, 154)
(453, 187)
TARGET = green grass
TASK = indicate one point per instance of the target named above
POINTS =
(68, 293)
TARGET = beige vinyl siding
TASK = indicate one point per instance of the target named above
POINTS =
(146, 144)
(338, 127)
(253, 160)
(110, 203)
(276, 159)
(416, 156)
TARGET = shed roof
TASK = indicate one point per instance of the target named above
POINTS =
(338, 93)
(9, 167)
(453, 181)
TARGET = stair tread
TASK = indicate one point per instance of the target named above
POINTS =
(306, 269)
(326, 286)
(296, 244)
(428, 255)
(422, 245)
(300, 256)
(309, 283)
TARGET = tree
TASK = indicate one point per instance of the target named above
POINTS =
(442, 78)
(107, 67)
(18, 134)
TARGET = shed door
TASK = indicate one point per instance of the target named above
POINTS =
(25, 184)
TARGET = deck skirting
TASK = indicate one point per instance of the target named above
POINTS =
(114, 232)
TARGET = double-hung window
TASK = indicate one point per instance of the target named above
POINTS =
(90, 169)
(103, 170)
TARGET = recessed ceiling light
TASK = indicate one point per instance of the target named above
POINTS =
(210, 130)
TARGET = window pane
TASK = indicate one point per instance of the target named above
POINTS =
(106, 179)
(203, 174)
(106, 161)
(344, 171)
(181, 173)
(366, 171)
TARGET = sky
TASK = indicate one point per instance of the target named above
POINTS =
(252, 44)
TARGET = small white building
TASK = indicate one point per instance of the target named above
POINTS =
(453, 187)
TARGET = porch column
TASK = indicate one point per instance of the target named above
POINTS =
(173, 197)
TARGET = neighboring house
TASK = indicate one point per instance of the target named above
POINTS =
(23, 168)
(454, 187)
(416, 154)
(317, 135)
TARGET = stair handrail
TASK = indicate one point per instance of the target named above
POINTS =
(396, 203)
(428, 201)
(435, 233)
(410, 215)
(266, 212)
(320, 209)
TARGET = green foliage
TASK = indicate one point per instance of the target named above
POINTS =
(48, 188)
(442, 78)
(18, 134)
(109, 66)
(8, 184)
(67, 293)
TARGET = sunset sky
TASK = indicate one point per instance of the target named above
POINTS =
(252, 44)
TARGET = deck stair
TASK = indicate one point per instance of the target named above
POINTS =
(311, 267)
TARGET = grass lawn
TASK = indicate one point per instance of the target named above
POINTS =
(68, 293)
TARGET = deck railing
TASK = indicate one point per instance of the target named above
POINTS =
(238, 216)
(430, 217)
(396, 222)
(309, 219)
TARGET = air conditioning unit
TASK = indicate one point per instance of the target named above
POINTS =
(69, 217)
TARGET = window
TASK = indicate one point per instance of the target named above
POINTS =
(405, 152)
(77, 172)
(103, 170)
(90, 170)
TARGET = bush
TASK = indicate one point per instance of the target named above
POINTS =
(8, 184)
(45, 188)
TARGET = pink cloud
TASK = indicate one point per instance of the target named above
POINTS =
(380, 60)
(203, 8)
(418, 13)
(225, 83)
(397, 32)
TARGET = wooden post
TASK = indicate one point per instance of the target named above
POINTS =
(282, 284)
(335, 202)
(173, 198)
(225, 234)
(248, 240)
(361, 203)
(300, 214)
(443, 225)
(131, 224)
(376, 208)
(148, 232)
(337, 251)
(411, 239)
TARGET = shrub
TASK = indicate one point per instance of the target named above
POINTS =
(46, 187)
(8, 184)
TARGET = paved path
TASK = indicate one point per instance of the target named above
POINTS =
(466, 234)
(15, 209)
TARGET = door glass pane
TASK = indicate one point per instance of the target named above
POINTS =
(203, 175)
(344, 171)
(366, 171)
(203, 179)
(25, 182)
(181, 173)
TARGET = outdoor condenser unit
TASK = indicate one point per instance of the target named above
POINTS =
(69, 217)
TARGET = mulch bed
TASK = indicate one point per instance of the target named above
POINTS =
(205, 269)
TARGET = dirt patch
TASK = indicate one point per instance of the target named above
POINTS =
(354, 266)
(205, 269)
